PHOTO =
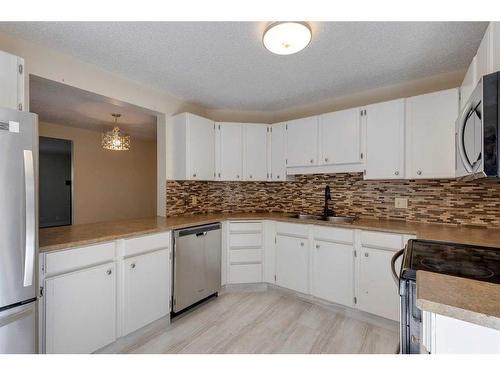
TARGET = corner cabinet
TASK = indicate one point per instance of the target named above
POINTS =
(255, 156)
(277, 152)
(229, 151)
(384, 128)
(434, 113)
(191, 148)
(302, 142)
(11, 81)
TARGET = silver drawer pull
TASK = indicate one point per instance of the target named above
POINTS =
(366, 255)
(132, 265)
(109, 272)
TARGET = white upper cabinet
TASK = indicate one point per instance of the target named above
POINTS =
(430, 132)
(255, 159)
(229, 151)
(340, 137)
(277, 163)
(11, 81)
(302, 142)
(191, 148)
(384, 130)
(483, 61)
(495, 46)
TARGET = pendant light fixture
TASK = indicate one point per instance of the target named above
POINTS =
(286, 38)
(115, 139)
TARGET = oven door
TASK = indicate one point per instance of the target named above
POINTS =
(469, 138)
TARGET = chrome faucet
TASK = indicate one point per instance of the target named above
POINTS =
(328, 197)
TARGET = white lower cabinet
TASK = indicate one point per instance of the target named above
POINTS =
(292, 263)
(333, 272)
(146, 289)
(81, 310)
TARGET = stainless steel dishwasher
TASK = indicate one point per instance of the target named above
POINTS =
(196, 266)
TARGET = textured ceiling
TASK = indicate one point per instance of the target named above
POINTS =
(62, 104)
(223, 65)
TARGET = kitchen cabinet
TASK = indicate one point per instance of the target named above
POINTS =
(292, 263)
(340, 137)
(333, 272)
(384, 131)
(245, 249)
(277, 164)
(80, 310)
(146, 289)
(483, 61)
(229, 151)
(434, 113)
(377, 291)
(255, 159)
(11, 81)
(444, 335)
(191, 148)
(302, 142)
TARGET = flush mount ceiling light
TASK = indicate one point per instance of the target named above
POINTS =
(115, 139)
(286, 38)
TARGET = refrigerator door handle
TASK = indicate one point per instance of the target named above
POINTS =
(29, 256)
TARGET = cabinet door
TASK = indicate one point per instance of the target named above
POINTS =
(201, 148)
(146, 289)
(377, 290)
(340, 137)
(469, 83)
(292, 263)
(278, 152)
(11, 81)
(230, 151)
(256, 152)
(495, 46)
(302, 142)
(333, 272)
(385, 140)
(434, 113)
(483, 55)
(81, 310)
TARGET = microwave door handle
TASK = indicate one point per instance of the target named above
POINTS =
(29, 188)
(468, 111)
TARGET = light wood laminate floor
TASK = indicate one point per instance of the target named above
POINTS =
(263, 320)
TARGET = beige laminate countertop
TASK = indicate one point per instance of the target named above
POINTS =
(58, 238)
(469, 300)
(472, 301)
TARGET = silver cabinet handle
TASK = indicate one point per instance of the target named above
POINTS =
(419, 172)
(278, 176)
(326, 159)
(312, 161)
(396, 173)
(302, 244)
(109, 272)
(132, 265)
(29, 181)
(194, 174)
(218, 174)
(366, 255)
(317, 246)
(237, 176)
(250, 176)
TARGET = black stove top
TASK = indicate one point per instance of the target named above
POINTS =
(471, 262)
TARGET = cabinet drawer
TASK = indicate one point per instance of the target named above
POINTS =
(245, 273)
(77, 258)
(294, 230)
(143, 244)
(382, 240)
(334, 234)
(245, 240)
(245, 227)
(245, 256)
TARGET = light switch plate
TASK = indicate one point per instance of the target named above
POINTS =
(401, 203)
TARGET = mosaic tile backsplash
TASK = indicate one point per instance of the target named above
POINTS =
(429, 201)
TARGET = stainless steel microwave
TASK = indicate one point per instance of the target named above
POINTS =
(477, 132)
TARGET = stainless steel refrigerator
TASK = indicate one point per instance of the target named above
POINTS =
(18, 230)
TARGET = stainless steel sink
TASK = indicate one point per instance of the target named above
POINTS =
(333, 219)
(339, 219)
(307, 217)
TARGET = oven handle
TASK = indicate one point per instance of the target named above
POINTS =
(393, 265)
